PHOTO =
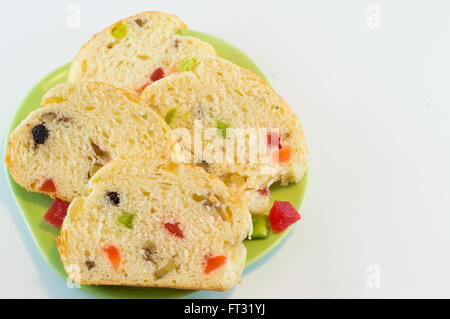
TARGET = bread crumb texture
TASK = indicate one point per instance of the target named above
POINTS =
(170, 225)
(80, 128)
(127, 53)
(219, 94)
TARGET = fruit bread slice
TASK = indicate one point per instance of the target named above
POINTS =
(137, 51)
(217, 95)
(81, 127)
(155, 224)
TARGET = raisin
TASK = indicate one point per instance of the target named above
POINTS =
(113, 198)
(147, 254)
(140, 22)
(89, 264)
(204, 165)
(64, 119)
(208, 204)
(148, 251)
(40, 134)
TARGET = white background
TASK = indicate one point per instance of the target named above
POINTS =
(375, 104)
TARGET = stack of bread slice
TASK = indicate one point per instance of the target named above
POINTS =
(216, 93)
(110, 141)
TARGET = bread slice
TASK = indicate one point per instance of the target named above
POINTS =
(127, 53)
(81, 127)
(215, 93)
(171, 225)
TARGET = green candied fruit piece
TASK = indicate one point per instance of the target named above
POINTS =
(170, 115)
(188, 64)
(222, 126)
(126, 219)
(119, 31)
(260, 229)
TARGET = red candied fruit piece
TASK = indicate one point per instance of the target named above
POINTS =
(174, 228)
(158, 74)
(263, 192)
(274, 140)
(282, 215)
(56, 213)
(212, 263)
(48, 186)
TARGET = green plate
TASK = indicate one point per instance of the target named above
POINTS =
(33, 205)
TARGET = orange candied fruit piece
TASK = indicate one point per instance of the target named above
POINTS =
(212, 263)
(283, 155)
(113, 256)
(48, 186)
